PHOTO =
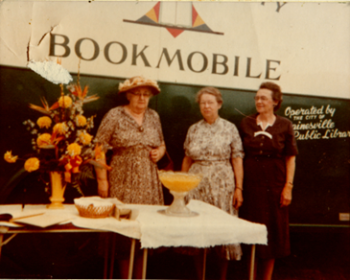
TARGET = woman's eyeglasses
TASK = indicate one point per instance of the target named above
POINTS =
(262, 98)
(209, 103)
(139, 94)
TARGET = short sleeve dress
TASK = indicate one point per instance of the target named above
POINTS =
(264, 179)
(133, 178)
(211, 147)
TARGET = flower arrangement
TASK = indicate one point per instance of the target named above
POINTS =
(60, 138)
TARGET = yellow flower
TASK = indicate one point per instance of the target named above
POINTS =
(80, 120)
(60, 128)
(9, 157)
(65, 101)
(85, 138)
(44, 140)
(74, 149)
(32, 164)
(44, 122)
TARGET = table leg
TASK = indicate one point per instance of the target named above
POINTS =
(204, 263)
(144, 264)
(132, 256)
(112, 256)
(1, 239)
(252, 263)
(106, 257)
(3, 230)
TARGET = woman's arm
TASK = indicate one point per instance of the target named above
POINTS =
(157, 153)
(286, 196)
(186, 164)
(103, 137)
(237, 164)
(102, 181)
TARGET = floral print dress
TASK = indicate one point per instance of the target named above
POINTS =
(134, 177)
(211, 148)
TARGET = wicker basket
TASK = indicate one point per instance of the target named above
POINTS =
(90, 210)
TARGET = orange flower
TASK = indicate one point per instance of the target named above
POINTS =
(65, 101)
(45, 109)
(80, 120)
(9, 157)
(44, 140)
(60, 128)
(77, 91)
(82, 94)
(44, 122)
(32, 164)
(74, 149)
(85, 138)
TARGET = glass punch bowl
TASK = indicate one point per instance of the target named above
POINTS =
(179, 184)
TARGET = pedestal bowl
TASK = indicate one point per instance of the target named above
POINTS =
(179, 184)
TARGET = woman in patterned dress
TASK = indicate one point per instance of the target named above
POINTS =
(134, 133)
(269, 165)
(213, 148)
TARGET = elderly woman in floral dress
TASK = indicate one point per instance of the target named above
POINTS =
(213, 147)
(134, 133)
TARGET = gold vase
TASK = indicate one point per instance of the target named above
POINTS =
(57, 190)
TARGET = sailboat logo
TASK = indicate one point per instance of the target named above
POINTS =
(176, 17)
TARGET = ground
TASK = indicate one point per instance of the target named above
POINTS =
(318, 255)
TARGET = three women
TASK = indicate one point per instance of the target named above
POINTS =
(213, 147)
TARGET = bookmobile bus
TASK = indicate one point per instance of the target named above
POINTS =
(303, 47)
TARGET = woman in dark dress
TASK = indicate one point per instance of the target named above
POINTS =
(269, 166)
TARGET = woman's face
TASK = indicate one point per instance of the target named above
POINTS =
(264, 102)
(139, 98)
(209, 106)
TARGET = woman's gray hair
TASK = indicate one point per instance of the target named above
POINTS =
(212, 91)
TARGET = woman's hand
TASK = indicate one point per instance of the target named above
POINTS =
(101, 175)
(186, 164)
(286, 195)
(102, 188)
(157, 153)
(237, 164)
(237, 198)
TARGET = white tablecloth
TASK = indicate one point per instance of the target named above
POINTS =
(211, 227)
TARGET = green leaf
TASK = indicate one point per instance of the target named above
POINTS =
(11, 184)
